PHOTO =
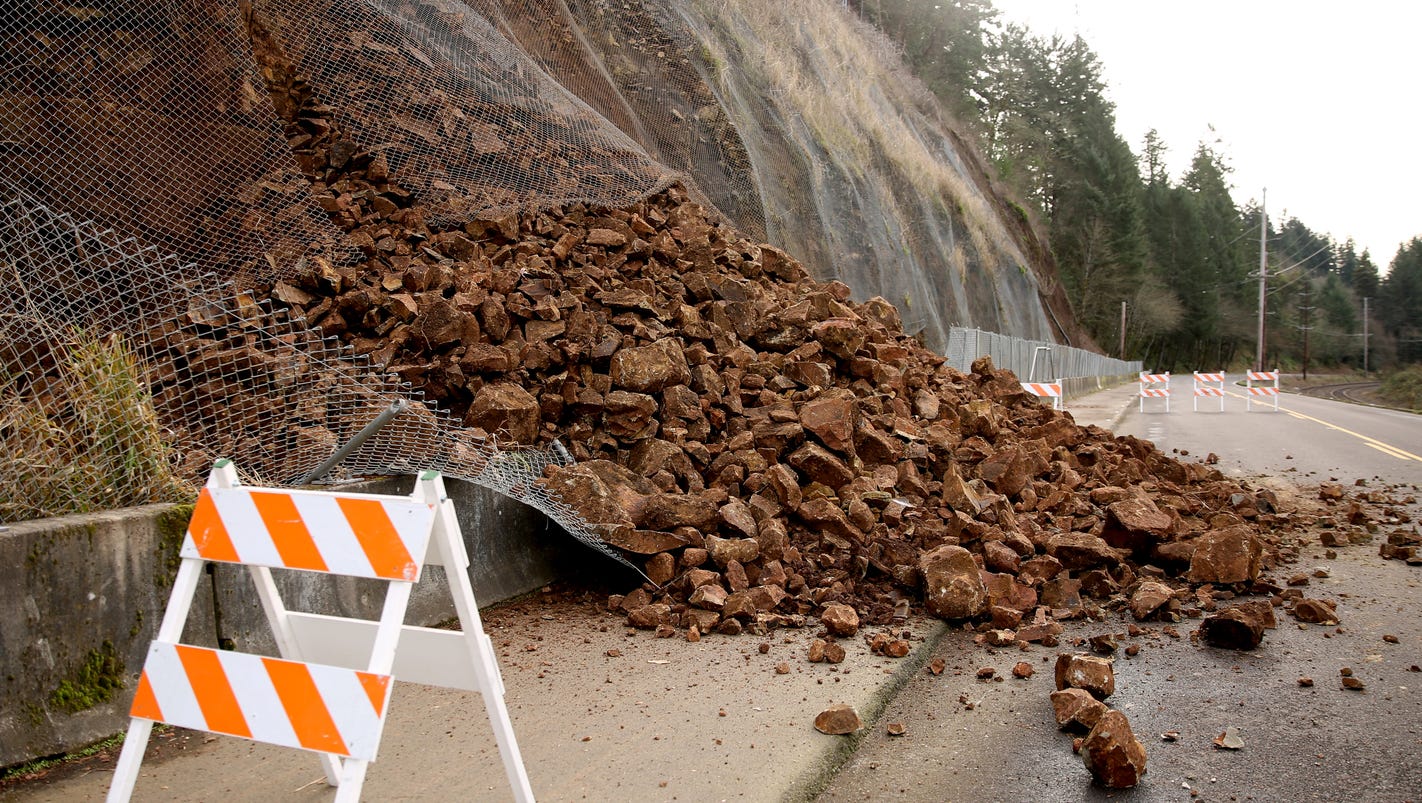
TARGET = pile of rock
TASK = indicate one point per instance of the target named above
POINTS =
(766, 446)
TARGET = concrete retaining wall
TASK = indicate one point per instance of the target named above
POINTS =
(81, 597)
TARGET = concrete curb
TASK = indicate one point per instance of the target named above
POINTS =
(816, 778)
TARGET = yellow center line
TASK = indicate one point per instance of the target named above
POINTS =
(1387, 451)
(1401, 454)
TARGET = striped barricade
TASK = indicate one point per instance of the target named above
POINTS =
(1046, 390)
(1155, 386)
(1208, 386)
(1254, 391)
(329, 691)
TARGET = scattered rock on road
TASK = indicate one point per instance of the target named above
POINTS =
(1112, 753)
(1087, 672)
(838, 720)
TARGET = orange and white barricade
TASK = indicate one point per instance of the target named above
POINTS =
(1209, 385)
(330, 689)
(1255, 391)
(1155, 386)
(1046, 390)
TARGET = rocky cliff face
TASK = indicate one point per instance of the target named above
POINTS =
(801, 124)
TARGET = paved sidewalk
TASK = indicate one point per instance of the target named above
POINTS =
(1104, 408)
(601, 713)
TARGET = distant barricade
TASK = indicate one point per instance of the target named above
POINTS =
(1154, 386)
(1046, 390)
(1256, 391)
(1209, 386)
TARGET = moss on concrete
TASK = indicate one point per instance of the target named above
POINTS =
(96, 680)
(172, 525)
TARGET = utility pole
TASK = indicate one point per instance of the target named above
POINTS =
(1307, 294)
(1122, 352)
(1263, 278)
(1365, 334)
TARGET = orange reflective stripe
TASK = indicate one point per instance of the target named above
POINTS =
(378, 537)
(208, 532)
(289, 534)
(375, 687)
(305, 709)
(208, 680)
(145, 703)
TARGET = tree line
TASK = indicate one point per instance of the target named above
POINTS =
(1180, 252)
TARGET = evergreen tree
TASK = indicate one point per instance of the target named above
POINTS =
(1401, 307)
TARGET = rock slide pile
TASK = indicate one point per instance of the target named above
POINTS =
(768, 447)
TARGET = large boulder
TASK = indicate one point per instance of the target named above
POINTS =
(952, 586)
(1230, 555)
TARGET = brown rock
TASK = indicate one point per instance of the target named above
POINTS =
(840, 620)
(832, 420)
(1231, 555)
(1022, 670)
(725, 550)
(643, 542)
(1262, 611)
(1063, 592)
(1076, 709)
(841, 337)
(648, 617)
(668, 511)
(506, 410)
(1315, 611)
(1086, 672)
(821, 465)
(1232, 628)
(1079, 551)
(1039, 569)
(838, 720)
(661, 568)
(952, 587)
(1134, 523)
(709, 597)
(1113, 755)
(1001, 558)
(647, 369)
(738, 520)
(1148, 598)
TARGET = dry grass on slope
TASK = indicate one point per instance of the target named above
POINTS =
(849, 85)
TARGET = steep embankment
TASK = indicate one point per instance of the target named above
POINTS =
(804, 127)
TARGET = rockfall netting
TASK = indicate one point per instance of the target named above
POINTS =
(124, 373)
(150, 178)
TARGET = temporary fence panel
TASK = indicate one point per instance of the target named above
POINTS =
(1252, 390)
(1209, 385)
(1046, 390)
(330, 689)
(1154, 386)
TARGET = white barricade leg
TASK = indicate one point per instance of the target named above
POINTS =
(135, 743)
(481, 649)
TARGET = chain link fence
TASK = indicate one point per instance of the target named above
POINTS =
(1039, 361)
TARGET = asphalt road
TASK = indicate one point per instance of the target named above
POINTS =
(1313, 438)
(1317, 743)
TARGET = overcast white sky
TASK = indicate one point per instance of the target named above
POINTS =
(1315, 101)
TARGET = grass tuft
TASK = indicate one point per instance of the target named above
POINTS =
(84, 437)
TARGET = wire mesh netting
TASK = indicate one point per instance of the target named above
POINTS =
(158, 178)
(124, 373)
